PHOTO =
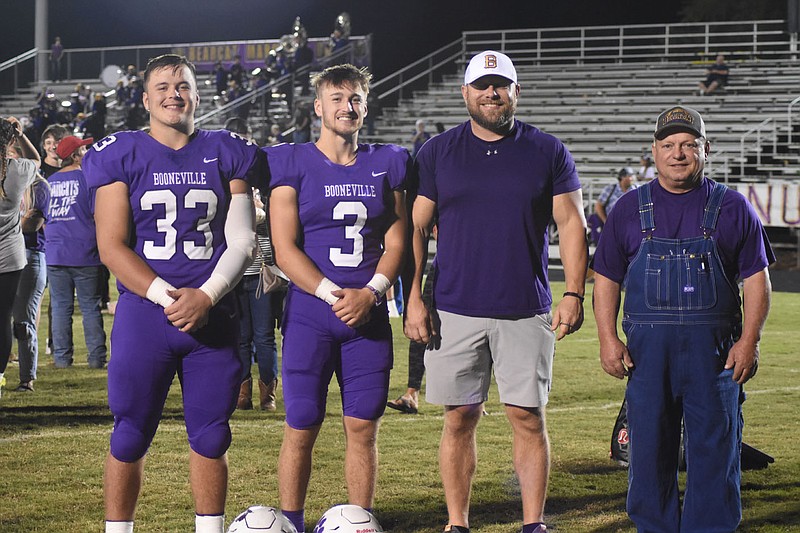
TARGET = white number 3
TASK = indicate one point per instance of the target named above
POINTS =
(352, 231)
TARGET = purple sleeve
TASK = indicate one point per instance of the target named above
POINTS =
(102, 164)
(41, 197)
(565, 175)
(400, 169)
(241, 158)
(619, 240)
(755, 252)
(281, 168)
(425, 170)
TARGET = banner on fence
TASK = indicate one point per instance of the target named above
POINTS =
(776, 203)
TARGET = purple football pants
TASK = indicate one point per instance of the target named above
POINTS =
(317, 345)
(147, 353)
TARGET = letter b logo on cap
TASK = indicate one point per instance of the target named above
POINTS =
(490, 61)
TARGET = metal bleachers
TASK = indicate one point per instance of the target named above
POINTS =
(605, 114)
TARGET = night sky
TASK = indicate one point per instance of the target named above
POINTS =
(403, 31)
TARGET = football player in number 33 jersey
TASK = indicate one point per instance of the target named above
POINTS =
(176, 226)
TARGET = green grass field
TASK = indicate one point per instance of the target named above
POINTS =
(53, 442)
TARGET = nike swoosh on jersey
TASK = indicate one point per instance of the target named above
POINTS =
(378, 174)
(206, 160)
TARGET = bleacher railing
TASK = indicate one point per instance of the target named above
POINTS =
(424, 68)
(637, 42)
(699, 42)
(88, 63)
(765, 132)
(24, 61)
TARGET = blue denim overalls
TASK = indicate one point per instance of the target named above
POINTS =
(681, 316)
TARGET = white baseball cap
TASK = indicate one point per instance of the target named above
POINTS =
(490, 63)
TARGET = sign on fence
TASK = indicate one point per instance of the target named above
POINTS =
(776, 203)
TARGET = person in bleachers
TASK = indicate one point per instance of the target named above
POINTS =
(94, 124)
(716, 76)
(56, 53)
(341, 33)
(135, 115)
(236, 72)
(122, 93)
(302, 123)
(275, 135)
(419, 137)
(220, 78)
(647, 171)
(130, 75)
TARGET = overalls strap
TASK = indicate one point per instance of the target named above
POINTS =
(711, 214)
(646, 217)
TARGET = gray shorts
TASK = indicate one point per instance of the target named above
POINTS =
(459, 362)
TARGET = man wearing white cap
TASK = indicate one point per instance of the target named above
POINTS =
(495, 183)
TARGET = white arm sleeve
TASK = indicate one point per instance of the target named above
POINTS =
(240, 236)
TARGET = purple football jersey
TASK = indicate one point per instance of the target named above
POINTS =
(494, 201)
(344, 210)
(71, 239)
(741, 240)
(179, 198)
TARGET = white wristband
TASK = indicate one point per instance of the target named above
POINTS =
(380, 283)
(324, 290)
(157, 293)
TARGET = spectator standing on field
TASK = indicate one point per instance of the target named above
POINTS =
(73, 261)
(16, 175)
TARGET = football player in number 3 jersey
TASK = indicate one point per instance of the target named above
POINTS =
(338, 220)
(176, 226)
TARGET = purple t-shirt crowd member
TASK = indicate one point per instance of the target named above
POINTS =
(680, 216)
(35, 240)
(503, 230)
(176, 196)
(343, 210)
(71, 239)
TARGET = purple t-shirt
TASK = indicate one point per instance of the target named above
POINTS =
(494, 201)
(344, 210)
(35, 240)
(740, 238)
(179, 198)
(71, 239)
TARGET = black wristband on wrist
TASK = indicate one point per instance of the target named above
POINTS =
(574, 295)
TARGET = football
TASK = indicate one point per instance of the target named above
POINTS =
(259, 518)
(347, 519)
